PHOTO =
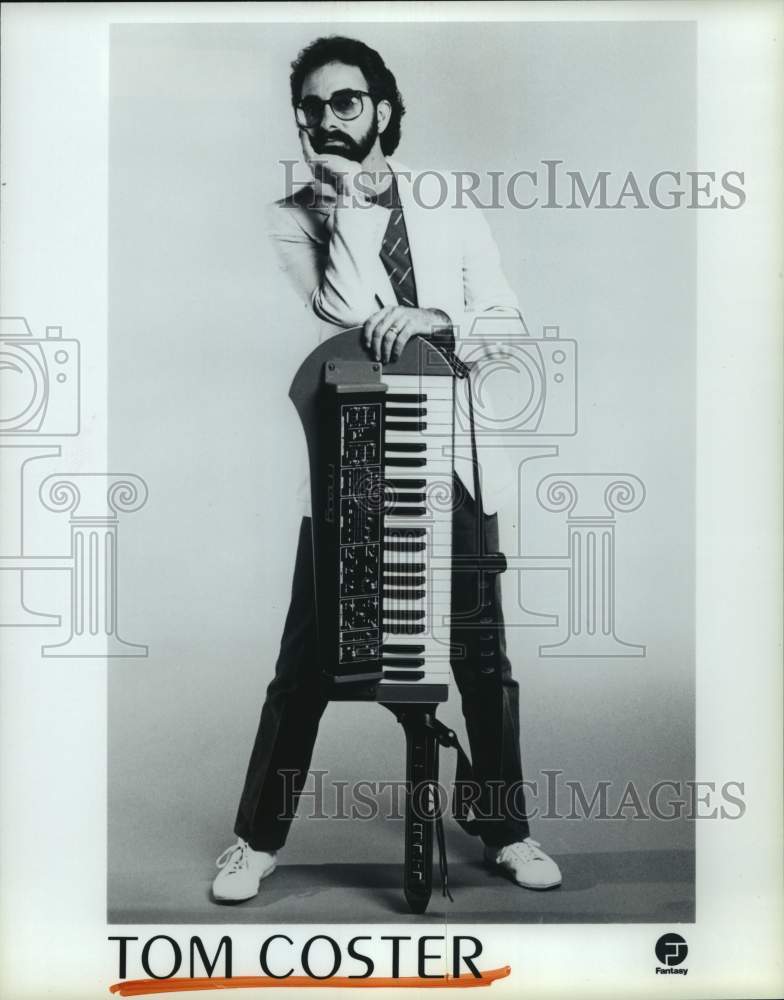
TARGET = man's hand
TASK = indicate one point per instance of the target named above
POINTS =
(388, 331)
(338, 172)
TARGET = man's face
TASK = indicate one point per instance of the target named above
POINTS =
(352, 139)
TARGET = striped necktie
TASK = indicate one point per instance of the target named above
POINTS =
(395, 253)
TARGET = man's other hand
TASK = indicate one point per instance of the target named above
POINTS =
(387, 331)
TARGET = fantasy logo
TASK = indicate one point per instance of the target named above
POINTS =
(671, 950)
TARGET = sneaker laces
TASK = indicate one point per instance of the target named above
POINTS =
(523, 852)
(234, 858)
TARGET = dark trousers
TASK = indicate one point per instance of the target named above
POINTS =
(295, 702)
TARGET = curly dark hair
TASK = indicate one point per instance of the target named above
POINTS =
(381, 82)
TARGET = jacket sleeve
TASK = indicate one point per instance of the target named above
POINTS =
(491, 315)
(353, 270)
(339, 278)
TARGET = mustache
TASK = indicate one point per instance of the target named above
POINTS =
(322, 139)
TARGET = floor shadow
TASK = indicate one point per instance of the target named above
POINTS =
(608, 887)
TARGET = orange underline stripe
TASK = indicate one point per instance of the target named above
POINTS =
(145, 987)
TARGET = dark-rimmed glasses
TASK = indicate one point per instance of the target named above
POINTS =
(345, 104)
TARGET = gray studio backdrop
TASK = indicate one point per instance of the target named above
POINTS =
(204, 339)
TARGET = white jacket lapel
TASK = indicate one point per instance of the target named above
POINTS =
(428, 237)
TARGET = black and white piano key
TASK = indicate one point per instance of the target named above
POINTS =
(406, 446)
(404, 675)
(402, 580)
(406, 411)
(403, 614)
(404, 425)
(390, 546)
(407, 484)
(395, 462)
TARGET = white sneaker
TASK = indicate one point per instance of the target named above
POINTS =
(241, 871)
(525, 864)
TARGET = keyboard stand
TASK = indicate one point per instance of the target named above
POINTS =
(421, 800)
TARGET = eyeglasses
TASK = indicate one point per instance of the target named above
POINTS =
(345, 104)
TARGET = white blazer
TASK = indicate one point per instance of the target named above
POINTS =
(330, 252)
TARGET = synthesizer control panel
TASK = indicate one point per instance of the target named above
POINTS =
(361, 519)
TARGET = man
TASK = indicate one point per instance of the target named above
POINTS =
(365, 245)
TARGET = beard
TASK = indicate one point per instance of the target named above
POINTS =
(340, 144)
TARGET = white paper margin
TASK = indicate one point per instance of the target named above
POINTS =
(53, 934)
